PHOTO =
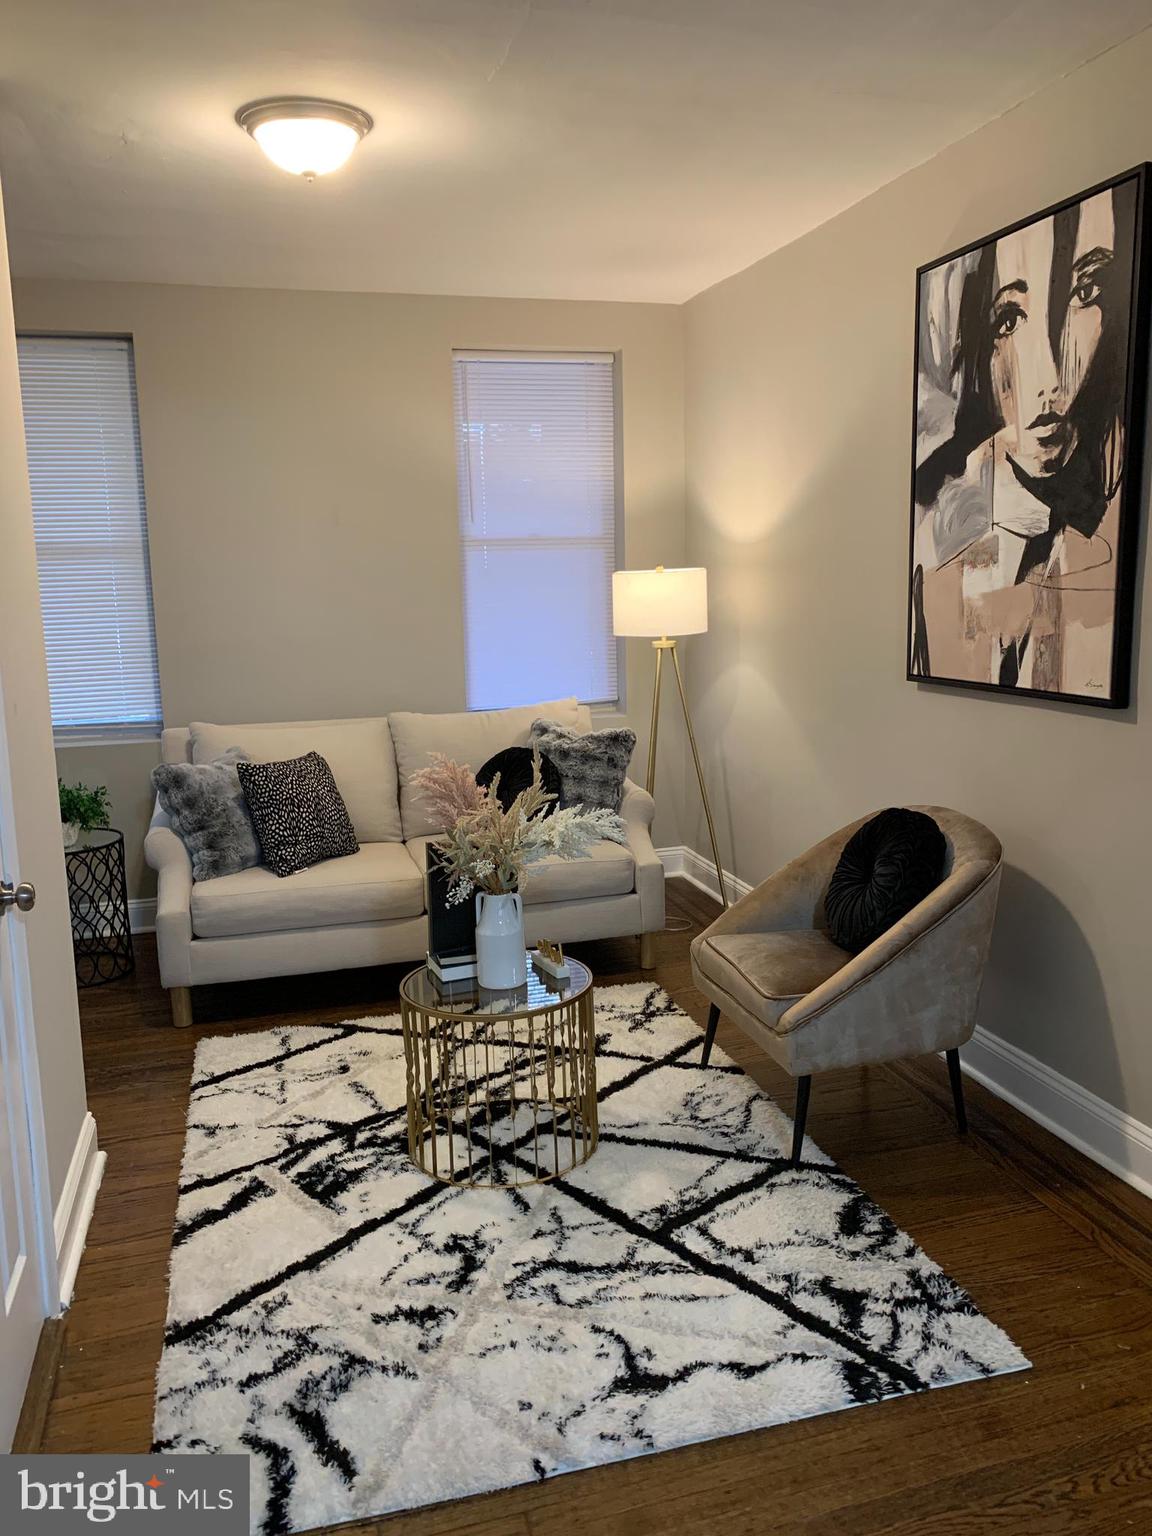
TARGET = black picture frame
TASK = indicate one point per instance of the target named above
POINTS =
(1114, 694)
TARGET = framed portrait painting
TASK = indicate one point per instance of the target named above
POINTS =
(1031, 373)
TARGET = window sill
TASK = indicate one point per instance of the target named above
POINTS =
(109, 737)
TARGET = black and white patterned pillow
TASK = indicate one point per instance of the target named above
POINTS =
(592, 766)
(299, 814)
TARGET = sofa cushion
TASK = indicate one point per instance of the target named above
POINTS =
(767, 972)
(472, 737)
(609, 870)
(379, 882)
(359, 753)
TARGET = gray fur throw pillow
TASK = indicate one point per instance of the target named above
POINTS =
(591, 767)
(209, 814)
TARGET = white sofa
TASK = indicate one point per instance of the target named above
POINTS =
(368, 908)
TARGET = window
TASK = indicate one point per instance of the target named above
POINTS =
(536, 445)
(83, 439)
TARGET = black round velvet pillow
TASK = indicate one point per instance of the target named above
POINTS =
(887, 867)
(514, 765)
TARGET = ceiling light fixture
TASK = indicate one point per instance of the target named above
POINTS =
(302, 135)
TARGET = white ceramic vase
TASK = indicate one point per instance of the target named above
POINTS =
(71, 832)
(501, 961)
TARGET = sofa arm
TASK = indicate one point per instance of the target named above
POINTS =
(169, 858)
(637, 809)
(637, 805)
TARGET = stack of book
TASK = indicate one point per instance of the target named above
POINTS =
(448, 970)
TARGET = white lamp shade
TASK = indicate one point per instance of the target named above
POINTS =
(660, 602)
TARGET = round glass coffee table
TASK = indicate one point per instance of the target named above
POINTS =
(501, 1085)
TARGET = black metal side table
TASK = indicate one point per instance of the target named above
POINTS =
(98, 900)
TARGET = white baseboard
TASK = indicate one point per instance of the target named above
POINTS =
(1109, 1136)
(142, 916)
(74, 1211)
(700, 871)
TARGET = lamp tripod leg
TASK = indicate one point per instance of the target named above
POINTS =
(700, 779)
(650, 783)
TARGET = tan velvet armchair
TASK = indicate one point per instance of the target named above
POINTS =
(769, 966)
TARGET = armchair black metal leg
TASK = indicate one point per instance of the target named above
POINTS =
(710, 1033)
(800, 1116)
(957, 1089)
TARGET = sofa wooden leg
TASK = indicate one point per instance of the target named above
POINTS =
(647, 951)
(181, 1000)
(710, 1034)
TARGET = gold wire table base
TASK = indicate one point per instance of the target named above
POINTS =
(499, 1102)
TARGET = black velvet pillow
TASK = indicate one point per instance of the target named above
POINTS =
(887, 867)
(299, 814)
(514, 765)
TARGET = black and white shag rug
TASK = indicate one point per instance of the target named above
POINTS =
(377, 1341)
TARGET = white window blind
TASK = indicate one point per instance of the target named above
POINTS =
(83, 437)
(536, 445)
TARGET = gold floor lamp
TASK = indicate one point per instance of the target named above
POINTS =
(660, 605)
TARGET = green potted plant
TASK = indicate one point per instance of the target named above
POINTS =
(81, 809)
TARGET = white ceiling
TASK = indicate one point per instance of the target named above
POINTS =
(611, 149)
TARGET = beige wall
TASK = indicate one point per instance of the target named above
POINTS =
(798, 418)
(32, 848)
(300, 472)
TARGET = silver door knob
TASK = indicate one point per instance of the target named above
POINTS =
(22, 896)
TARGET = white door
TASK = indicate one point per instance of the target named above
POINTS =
(42, 1108)
(27, 1253)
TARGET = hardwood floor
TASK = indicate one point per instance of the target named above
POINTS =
(1053, 1248)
